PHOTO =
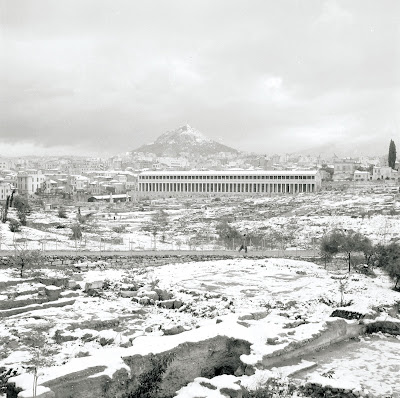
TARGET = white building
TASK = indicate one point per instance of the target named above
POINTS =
(384, 173)
(174, 162)
(362, 175)
(238, 182)
(6, 164)
(77, 183)
(5, 190)
(344, 168)
(29, 181)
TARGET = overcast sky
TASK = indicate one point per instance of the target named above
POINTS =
(94, 76)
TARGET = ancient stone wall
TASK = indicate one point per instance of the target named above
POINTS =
(126, 259)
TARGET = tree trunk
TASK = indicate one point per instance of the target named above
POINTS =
(12, 197)
(4, 219)
(349, 263)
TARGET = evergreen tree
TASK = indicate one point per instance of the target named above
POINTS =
(23, 209)
(392, 154)
(345, 241)
(388, 257)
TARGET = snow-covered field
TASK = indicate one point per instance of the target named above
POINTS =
(281, 221)
(373, 362)
(271, 303)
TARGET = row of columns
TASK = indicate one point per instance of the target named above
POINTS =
(225, 187)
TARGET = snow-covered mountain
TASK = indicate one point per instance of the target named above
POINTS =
(185, 139)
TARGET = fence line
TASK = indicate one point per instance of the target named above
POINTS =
(199, 252)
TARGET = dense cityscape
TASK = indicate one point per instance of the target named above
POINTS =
(83, 179)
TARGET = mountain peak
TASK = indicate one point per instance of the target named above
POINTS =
(186, 133)
(184, 139)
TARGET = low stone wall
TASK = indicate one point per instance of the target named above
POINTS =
(350, 315)
(10, 304)
(388, 327)
(33, 307)
(318, 390)
(126, 260)
(13, 282)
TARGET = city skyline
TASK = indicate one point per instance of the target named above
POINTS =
(99, 78)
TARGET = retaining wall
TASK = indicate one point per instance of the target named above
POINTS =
(128, 260)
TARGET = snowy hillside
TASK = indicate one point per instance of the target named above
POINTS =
(184, 139)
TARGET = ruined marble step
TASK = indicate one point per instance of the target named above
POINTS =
(33, 307)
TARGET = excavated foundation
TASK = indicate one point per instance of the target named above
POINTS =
(208, 358)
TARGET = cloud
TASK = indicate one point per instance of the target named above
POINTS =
(258, 76)
(334, 14)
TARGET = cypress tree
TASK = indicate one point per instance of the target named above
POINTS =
(392, 154)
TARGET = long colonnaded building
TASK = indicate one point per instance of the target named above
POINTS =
(232, 182)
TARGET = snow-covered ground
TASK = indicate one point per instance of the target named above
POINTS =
(271, 303)
(291, 221)
(373, 362)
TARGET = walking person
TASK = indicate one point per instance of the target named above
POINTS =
(244, 244)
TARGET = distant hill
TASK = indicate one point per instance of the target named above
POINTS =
(184, 139)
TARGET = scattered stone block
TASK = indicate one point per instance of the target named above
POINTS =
(151, 294)
(207, 385)
(53, 292)
(69, 294)
(272, 340)
(174, 330)
(59, 282)
(177, 304)
(163, 294)
(93, 285)
(144, 300)
(347, 314)
(128, 293)
(72, 284)
(93, 293)
(389, 327)
(169, 304)
(254, 316)
(231, 393)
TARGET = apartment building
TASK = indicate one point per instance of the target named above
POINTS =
(5, 190)
(30, 181)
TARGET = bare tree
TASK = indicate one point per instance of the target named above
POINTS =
(24, 258)
(156, 225)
